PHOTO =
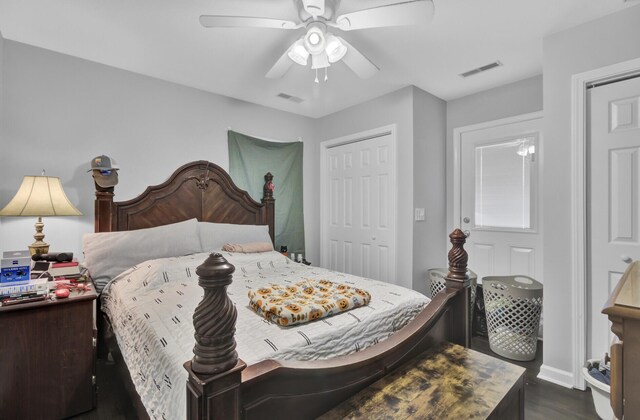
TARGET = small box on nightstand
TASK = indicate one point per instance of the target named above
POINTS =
(15, 268)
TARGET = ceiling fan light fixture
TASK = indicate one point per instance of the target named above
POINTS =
(298, 53)
(320, 61)
(315, 40)
(335, 49)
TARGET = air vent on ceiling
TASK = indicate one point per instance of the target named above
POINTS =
(481, 69)
(290, 98)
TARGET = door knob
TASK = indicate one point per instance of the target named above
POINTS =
(373, 238)
(626, 259)
(467, 233)
(466, 220)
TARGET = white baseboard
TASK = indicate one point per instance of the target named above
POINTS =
(556, 376)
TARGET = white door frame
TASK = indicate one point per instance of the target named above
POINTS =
(458, 132)
(579, 123)
(324, 193)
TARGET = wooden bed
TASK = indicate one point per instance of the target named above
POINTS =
(221, 386)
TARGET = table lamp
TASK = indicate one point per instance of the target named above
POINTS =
(40, 196)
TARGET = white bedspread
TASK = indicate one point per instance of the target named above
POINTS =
(151, 308)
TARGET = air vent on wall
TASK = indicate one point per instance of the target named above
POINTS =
(290, 98)
(481, 69)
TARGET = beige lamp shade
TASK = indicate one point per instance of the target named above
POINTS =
(40, 196)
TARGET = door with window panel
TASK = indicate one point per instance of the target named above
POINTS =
(500, 198)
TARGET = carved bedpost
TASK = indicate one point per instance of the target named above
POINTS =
(103, 209)
(213, 387)
(269, 201)
(458, 280)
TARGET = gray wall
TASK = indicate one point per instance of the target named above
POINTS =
(60, 111)
(429, 186)
(393, 108)
(603, 42)
(505, 101)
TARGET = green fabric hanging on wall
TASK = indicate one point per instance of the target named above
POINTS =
(250, 159)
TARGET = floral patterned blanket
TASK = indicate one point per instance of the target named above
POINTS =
(305, 301)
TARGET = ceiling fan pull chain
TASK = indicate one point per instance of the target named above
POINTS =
(326, 74)
(316, 76)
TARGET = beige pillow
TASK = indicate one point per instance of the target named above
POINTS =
(249, 248)
(213, 236)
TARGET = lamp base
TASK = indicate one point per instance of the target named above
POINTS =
(38, 247)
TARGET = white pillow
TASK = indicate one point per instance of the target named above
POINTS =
(108, 254)
(213, 236)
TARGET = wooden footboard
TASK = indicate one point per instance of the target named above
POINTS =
(220, 386)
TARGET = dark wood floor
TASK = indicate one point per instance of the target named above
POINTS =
(543, 400)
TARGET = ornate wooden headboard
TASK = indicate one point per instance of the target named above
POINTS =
(200, 190)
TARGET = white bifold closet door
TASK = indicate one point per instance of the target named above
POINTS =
(360, 231)
(613, 197)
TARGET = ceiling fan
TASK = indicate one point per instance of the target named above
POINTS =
(325, 48)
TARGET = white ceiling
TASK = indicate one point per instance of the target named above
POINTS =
(163, 39)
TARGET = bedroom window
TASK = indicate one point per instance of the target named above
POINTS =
(505, 174)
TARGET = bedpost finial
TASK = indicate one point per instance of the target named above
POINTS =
(269, 187)
(215, 266)
(458, 256)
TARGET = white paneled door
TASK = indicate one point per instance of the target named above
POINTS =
(499, 190)
(359, 218)
(613, 197)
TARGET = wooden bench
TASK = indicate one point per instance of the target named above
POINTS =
(451, 382)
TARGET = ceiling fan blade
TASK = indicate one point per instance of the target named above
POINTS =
(357, 62)
(314, 7)
(400, 14)
(215, 21)
(281, 67)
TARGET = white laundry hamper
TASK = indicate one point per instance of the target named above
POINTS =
(513, 305)
(438, 284)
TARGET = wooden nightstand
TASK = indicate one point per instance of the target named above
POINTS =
(47, 358)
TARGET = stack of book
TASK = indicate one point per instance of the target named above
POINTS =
(35, 289)
(59, 271)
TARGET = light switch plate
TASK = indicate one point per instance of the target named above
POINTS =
(419, 214)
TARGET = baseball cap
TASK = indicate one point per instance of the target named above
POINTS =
(103, 163)
(105, 178)
(104, 171)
